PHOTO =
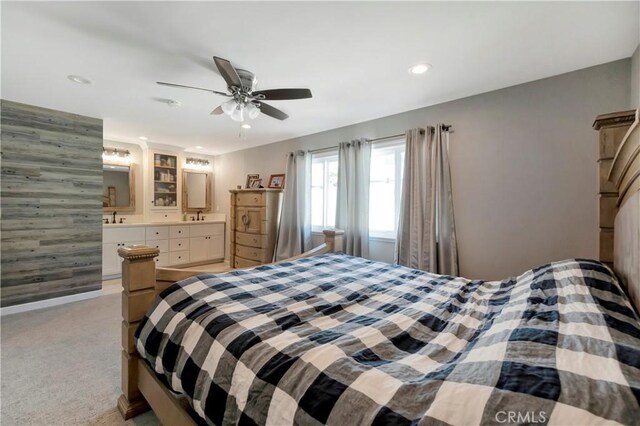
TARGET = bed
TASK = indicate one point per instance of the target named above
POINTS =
(332, 339)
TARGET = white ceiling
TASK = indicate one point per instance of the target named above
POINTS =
(354, 56)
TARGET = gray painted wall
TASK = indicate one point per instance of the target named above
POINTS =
(635, 79)
(523, 163)
(51, 196)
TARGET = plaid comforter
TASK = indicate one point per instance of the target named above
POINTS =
(345, 341)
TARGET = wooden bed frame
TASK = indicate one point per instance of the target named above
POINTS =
(142, 282)
(619, 161)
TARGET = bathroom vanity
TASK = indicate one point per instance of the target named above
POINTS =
(180, 243)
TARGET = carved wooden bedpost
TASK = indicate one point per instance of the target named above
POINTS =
(138, 281)
(334, 239)
(612, 129)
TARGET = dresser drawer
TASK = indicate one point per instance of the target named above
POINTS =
(252, 253)
(179, 257)
(162, 245)
(250, 220)
(206, 230)
(162, 259)
(250, 199)
(157, 233)
(239, 262)
(122, 235)
(177, 244)
(251, 240)
(179, 231)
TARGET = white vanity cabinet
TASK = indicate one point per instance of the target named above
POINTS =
(179, 244)
(206, 242)
(112, 240)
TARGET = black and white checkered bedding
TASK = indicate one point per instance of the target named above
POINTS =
(341, 340)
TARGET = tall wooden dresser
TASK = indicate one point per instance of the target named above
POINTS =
(255, 214)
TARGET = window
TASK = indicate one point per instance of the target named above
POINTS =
(324, 189)
(387, 167)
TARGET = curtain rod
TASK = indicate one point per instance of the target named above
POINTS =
(445, 127)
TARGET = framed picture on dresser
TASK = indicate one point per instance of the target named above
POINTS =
(276, 181)
(251, 179)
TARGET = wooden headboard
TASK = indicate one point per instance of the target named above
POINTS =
(619, 146)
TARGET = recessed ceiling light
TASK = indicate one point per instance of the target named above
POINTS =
(419, 68)
(79, 79)
(198, 147)
(246, 126)
(143, 138)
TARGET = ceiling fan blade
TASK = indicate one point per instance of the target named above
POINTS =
(282, 94)
(272, 112)
(228, 72)
(217, 111)
(162, 83)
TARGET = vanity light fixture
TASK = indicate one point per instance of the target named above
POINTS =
(419, 69)
(197, 162)
(116, 155)
(246, 126)
(143, 138)
(79, 79)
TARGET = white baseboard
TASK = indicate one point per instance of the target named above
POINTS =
(40, 304)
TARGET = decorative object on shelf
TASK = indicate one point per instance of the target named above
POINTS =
(245, 100)
(255, 184)
(165, 176)
(251, 178)
(115, 155)
(276, 181)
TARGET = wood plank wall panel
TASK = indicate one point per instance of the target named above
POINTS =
(51, 199)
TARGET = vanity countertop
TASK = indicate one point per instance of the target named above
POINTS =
(181, 222)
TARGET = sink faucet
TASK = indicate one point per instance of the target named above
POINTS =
(198, 214)
(114, 217)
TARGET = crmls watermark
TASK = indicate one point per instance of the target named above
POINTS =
(519, 417)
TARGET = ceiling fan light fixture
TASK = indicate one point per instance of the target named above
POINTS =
(229, 106)
(252, 110)
(238, 113)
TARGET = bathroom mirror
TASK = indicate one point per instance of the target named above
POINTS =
(196, 191)
(118, 188)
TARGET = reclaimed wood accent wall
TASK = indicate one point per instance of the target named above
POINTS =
(51, 196)
(611, 130)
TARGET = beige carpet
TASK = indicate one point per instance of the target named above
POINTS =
(61, 366)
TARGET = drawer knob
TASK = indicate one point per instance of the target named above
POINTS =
(179, 232)
(157, 233)
(179, 245)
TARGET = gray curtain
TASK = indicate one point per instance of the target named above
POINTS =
(294, 233)
(426, 237)
(352, 207)
(447, 247)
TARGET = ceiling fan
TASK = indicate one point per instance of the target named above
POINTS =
(245, 100)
